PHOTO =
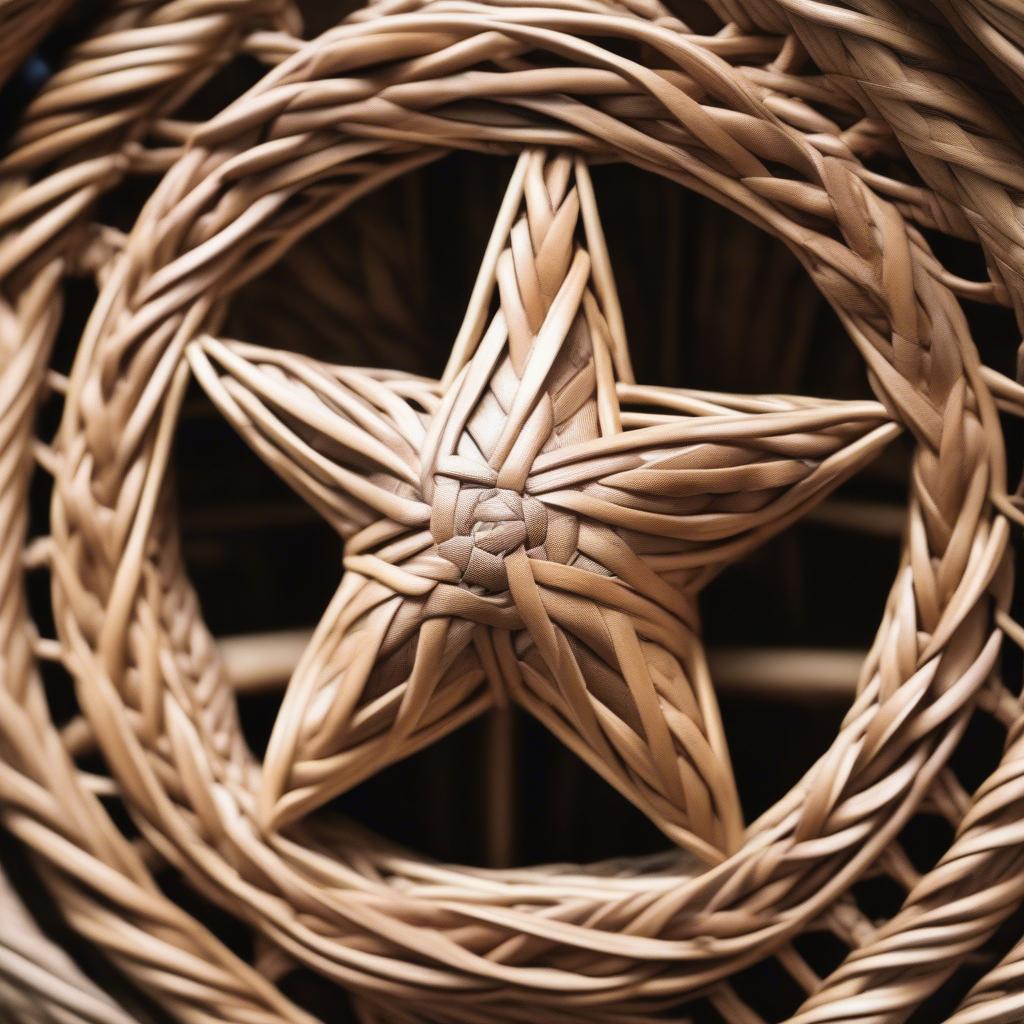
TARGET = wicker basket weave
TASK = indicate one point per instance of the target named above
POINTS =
(533, 528)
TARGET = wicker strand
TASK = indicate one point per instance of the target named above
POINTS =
(40, 220)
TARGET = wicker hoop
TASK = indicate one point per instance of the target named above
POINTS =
(443, 943)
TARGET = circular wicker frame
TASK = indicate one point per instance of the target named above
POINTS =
(211, 225)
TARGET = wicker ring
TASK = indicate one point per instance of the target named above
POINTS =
(360, 105)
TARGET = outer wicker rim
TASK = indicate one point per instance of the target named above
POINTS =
(936, 94)
(36, 976)
(871, 226)
(971, 157)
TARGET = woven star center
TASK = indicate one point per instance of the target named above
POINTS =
(489, 525)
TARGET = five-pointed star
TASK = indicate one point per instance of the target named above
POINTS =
(534, 526)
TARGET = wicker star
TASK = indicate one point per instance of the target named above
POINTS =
(535, 526)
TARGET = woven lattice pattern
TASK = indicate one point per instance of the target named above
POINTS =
(533, 528)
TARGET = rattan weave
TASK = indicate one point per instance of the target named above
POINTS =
(534, 527)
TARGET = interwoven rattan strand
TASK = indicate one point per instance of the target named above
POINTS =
(532, 527)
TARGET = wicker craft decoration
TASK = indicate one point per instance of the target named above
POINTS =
(534, 527)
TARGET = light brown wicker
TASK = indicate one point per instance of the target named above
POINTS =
(534, 527)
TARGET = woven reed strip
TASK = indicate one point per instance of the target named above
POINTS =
(917, 415)
(38, 981)
(101, 884)
(995, 31)
(37, 975)
(42, 132)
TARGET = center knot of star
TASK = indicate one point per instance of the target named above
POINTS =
(489, 525)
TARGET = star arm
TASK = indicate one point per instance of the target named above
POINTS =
(392, 665)
(611, 661)
(386, 673)
(346, 439)
(604, 652)
(696, 481)
(614, 663)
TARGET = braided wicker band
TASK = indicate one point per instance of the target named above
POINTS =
(534, 526)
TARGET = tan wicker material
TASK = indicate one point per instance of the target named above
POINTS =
(38, 981)
(532, 528)
(957, 142)
(535, 540)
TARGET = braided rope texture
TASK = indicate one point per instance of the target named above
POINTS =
(534, 527)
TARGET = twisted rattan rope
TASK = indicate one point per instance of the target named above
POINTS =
(995, 31)
(929, 428)
(46, 140)
(38, 981)
(969, 156)
(33, 967)
(958, 143)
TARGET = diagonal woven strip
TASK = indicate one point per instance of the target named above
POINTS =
(957, 141)
(72, 123)
(972, 156)
(38, 981)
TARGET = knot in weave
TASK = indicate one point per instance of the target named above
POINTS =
(488, 525)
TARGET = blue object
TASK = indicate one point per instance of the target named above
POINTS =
(34, 73)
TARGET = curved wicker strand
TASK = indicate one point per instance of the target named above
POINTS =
(546, 943)
(960, 164)
(945, 914)
(957, 142)
(38, 981)
(995, 30)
